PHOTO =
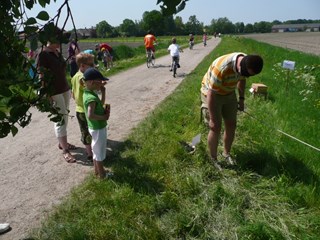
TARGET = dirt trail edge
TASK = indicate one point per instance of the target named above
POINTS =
(33, 175)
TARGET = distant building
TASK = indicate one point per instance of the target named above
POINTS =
(303, 27)
(86, 32)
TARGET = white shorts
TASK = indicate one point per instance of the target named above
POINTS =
(99, 143)
(62, 101)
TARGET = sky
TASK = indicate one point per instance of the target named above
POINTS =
(88, 13)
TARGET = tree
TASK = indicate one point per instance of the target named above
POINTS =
(262, 27)
(239, 27)
(104, 29)
(249, 28)
(180, 27)
(154, 21)
(194, 26)
(128, 28)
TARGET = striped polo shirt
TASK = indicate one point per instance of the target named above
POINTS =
(222, 76)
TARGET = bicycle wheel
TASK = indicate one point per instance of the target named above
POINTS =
(174, 69)
(148, 59)
(148, 62)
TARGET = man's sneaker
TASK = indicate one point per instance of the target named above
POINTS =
(228, 159)
(215, 163)
(170, 70)
(178, 65)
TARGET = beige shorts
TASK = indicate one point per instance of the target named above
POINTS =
(225, 106)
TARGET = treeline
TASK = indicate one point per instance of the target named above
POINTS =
(168, 25)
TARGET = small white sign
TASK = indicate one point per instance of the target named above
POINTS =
(288, 64)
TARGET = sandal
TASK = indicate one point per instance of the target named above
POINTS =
(70, 147)
(68, 157)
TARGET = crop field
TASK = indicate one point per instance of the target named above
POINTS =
(308, 42)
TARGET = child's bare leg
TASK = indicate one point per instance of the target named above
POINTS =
(96, 172)
(100, 169)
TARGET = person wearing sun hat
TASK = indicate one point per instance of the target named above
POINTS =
(97, 117)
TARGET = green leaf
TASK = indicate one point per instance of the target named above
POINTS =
(29, 3)
(20, 110)
(5, 92)
(4, 129)
(42, 3)
(14, 130)
(30, 29)
(30, 21)
(43, 15)
(2, 115)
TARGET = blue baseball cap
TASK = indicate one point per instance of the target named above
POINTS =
(93, 74)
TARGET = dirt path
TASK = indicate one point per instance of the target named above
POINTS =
(33, 175)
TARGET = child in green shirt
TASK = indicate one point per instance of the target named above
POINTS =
(97, 117)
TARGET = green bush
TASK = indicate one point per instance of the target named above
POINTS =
(122, 52)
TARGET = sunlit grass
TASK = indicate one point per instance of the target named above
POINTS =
(159, 191)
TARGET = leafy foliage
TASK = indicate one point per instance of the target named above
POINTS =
(170, 7)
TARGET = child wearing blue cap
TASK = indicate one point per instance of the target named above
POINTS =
(97, 117)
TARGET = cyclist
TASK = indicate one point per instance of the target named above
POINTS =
(191, 41)
(106, 58)
(149, 42)
(174, 50)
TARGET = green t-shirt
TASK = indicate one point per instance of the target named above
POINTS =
(77, 90)
(88, 97)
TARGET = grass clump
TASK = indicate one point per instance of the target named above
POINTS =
(159, 191)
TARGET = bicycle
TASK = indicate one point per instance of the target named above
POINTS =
(150, 58)
(191, 43)
(174, 66)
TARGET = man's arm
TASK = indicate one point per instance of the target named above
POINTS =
(241, 88)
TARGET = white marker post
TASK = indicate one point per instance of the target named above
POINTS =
(289, 65)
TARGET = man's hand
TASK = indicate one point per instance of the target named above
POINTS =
(241, 105)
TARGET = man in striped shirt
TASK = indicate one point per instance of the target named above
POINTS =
(226, 74)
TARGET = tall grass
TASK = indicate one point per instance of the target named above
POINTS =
(160, 191)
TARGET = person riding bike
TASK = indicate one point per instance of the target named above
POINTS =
(149, 43)
(191, 41)
(174, 50)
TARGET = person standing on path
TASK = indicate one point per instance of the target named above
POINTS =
(73, 50)
(97, 117)
(225, 74)
(52, 74)
(84, 61)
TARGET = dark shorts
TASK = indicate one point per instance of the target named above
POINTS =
(85, 135)
(151, 48)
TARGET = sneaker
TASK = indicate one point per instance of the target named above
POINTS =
(170, 70)
(178, 65)
(108, 174)
(4, 227)
(228, 159)
(215, 163)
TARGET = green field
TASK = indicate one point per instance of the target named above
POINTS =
(160, 191)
